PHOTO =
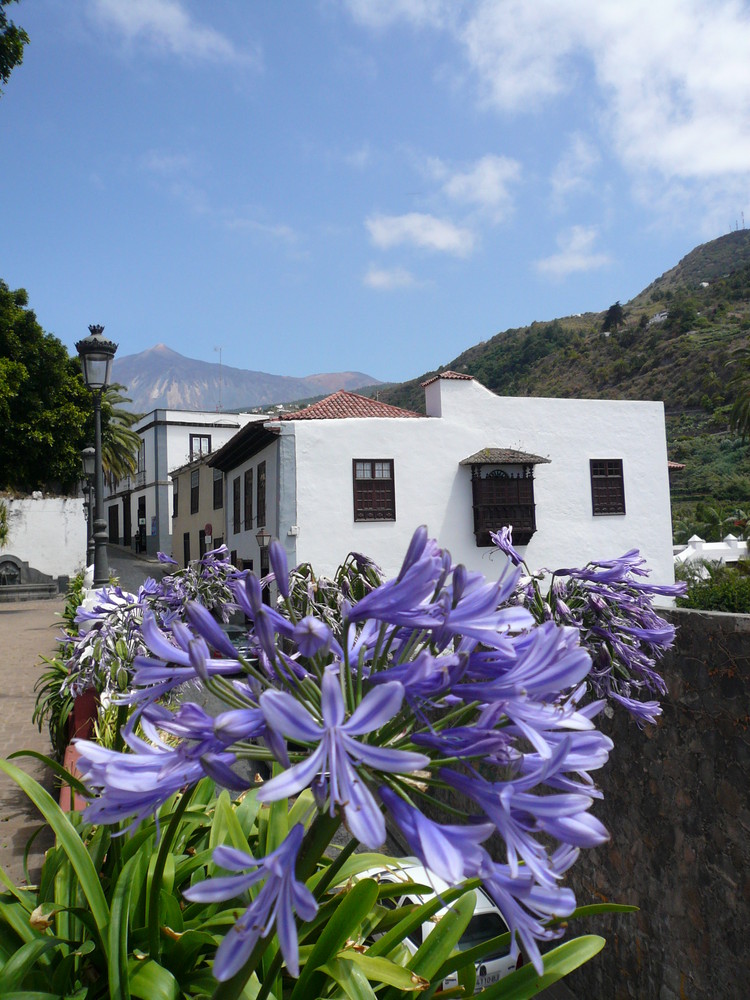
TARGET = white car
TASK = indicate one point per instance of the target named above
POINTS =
(487, 922)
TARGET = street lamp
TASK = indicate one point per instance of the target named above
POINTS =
(96, 354)
(263, 538)
(88, 462)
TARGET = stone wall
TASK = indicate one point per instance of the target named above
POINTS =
(677, 806)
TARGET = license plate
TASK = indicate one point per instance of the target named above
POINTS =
(491, 977)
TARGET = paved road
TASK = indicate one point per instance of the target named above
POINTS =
(28, 631)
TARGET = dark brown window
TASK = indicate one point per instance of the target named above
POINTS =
(175, 484)
(200, 444)
(261, 500)
(195, 479)
(248, 499)
(374, 493)
(607, 486)
(186, 547)
(504, 498)
(218, 489)
(237, 524)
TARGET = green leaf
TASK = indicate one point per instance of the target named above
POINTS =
(70, 841)
(352, 980)
(416, 917)
(561, 961)
(342, 926)
(382, 970)
(151, 981)
(24, 959)
(118, 932)
(444, 937)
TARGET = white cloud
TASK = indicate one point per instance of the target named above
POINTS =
(574, 171)
(166, 26)
(673, 77)
(388, 279)
(383, 13)
(575, 253)
(485, 184)
(418, 229)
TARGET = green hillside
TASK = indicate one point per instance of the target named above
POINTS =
(682, 358)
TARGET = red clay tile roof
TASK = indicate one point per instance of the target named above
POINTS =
(675, 465)
(343, 404)
(456, 375)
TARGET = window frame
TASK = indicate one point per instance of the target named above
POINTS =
(260, 499)
(607, 487)
(248, 509)
(236, 505)
(200, 453)
(195, 491)
(218, 492)
(368, 502)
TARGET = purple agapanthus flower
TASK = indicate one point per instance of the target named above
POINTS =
(336, 765)
(273, 908)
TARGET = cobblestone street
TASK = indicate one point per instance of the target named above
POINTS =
(28, 630)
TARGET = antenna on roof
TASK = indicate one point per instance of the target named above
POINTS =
(221, 377)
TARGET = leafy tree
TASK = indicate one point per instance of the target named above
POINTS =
(614, 317)
(45, 408)
(12, 41)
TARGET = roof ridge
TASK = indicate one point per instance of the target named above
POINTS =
(344, 404)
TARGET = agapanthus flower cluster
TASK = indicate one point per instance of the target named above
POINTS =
(611, 604)
(436, 679)
(109, 622)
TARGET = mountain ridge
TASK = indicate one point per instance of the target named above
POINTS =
(160, 377)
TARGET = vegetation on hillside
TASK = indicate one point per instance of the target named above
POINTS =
(675, 342)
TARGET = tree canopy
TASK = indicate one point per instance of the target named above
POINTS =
(12, 41)
(45, 408)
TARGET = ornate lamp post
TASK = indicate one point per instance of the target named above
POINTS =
(88, 461)
(96, 353)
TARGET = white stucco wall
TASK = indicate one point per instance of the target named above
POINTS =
(166, 443)
(241, 539)
(48, 533)
(432, 488)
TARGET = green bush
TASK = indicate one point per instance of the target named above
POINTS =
(726, 588)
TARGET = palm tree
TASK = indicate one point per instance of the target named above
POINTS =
(120, 444)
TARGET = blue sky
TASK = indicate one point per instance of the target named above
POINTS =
(371, 185)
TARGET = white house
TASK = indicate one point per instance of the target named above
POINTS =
(578, 479)
(730, 551)
(138, 509)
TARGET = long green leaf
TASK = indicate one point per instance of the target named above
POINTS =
(24, 959)
(561, 961)
(416, 917)
(352, 979)
(443, 938)
(118, 933)
(382, 970)
(342, 925)
(71, 842)
(69, 779)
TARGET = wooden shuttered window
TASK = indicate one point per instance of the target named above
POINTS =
(374, 490)
(607, 486)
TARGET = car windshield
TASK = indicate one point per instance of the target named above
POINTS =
(481, 928)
